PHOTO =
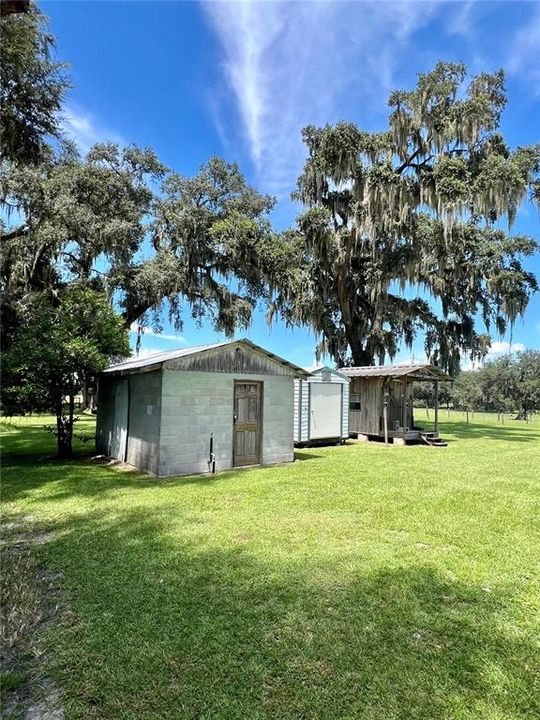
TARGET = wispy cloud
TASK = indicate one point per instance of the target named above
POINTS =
(85, 129)
(291, 64)
(524, 57)
(146, 331)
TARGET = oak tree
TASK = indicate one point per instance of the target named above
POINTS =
(401, 234)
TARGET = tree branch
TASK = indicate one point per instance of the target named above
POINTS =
(21, 231)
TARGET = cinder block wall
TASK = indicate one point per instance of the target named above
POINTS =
(144, 420)
(195, 404)
(105, 415)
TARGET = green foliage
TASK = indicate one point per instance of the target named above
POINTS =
(213, 248)
(87, 219)
(61, 345)
(512, 382)
(424, 394)
(467, 392)
(93, 219)
(506, 384)
(32, 87)
(393, 217)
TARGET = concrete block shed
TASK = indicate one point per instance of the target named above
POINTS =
(198, 409)
(321, 406)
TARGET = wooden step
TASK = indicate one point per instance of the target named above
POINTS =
(430, 439)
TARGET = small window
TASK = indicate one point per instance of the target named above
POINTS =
(326, 376)
(355, 402)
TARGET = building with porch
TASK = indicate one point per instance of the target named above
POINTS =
(381, 402)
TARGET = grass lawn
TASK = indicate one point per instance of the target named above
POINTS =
(362, 581)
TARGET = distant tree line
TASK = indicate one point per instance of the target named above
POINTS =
(509, 384)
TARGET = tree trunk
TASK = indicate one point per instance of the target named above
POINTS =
(360, 356)
(64, 430)
(88, 399)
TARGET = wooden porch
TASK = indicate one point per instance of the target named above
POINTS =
(381, 403)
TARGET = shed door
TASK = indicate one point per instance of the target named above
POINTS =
(119, 444)
(325, 416)
(247, 423)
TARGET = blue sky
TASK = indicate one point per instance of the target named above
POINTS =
(241, 79)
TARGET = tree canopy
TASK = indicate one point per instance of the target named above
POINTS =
(506, 384)
(62, 342)
(120, 222)
(32, 84)
(114, 230)
(401, 232)
(117, 219)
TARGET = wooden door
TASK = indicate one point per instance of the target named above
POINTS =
(247, 423)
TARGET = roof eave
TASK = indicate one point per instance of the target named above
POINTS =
(158, 364)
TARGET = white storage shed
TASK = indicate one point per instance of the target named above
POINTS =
(321, 406)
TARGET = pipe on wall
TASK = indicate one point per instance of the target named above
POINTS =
(212, 456)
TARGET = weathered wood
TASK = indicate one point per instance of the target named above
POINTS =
(369, 420)
(385, 415)
(231, 359)
(247, 423)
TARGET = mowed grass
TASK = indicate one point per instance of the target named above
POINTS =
(359, 582)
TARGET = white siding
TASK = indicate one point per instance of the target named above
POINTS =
(345, 415)
(195, 404)
(302, 403)
(301, 411)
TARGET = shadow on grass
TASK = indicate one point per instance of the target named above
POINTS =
(30, 463)
(168, 626)
(302, 454)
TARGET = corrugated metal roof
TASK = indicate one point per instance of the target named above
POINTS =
(159, 358)
(421, 372)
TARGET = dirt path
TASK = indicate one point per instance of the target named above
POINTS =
(29, 607)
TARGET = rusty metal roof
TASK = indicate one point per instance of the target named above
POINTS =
(417, 372)
(159, 358)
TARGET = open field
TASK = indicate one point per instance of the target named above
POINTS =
(359, 582)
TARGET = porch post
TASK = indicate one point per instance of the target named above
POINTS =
(436, 385)
(385, 416)
(404, 409)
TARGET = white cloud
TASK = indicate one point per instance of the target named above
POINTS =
(524, 57)
(460, 22)
(502, 347)
(289, 64)
(497, 350)
(146, 331)
(85, 129)
(414, 360)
